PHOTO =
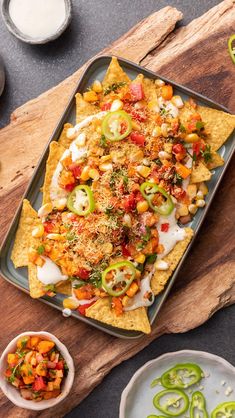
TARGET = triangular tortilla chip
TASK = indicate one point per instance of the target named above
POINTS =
(160, 277)
(35, 286)
(218, 124)
(28, 220)
(55, 153)
(136, 320)
(84, 109)
(63, 140)
(114, 74)
(200, 173)
(150, 90)
(215, 162)
(64, 287)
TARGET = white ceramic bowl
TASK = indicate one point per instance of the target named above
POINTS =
(14, 394)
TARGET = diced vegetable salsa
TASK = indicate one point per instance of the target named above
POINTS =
(36, 368)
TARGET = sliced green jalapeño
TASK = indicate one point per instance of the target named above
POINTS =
(81, 201)
(224, 410)
(116, 125)
(172, 402)
(182, 376)
(231, 47)
(117, 278)
(151, 192)
(198, 406)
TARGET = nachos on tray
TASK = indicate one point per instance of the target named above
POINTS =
(120, 187)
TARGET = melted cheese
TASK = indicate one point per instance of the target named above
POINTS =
(50, 273)
(170, 238)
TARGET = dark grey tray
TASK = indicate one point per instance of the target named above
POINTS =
(18, 277)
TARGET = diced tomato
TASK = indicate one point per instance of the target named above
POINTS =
(60, 365)
(129, 203)
(137, 138)
(106, 106)
(82, 308)
(76, 170)
(83, 274)
(125, 251)
(8, 373)
(165, 227)
(191, 126)
(196, 116)
(69, 187)
(137, 92)
(140, 115)
(39, 384)
(48, 226)
(179, 151)
(178, 192)
(198, 147)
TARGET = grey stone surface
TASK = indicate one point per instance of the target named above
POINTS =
(32, 70)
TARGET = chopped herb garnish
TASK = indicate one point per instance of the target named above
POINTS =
(41, 249)
(158, 162)
(79, 283)
(206, 154)
(103, 141)
(50, 288)
(114, 87)
(146, 237)
(199, 125)
(71, 236)
(163, 111)
(177, 179)
(150, 259)
(108, 210)
(182, 128)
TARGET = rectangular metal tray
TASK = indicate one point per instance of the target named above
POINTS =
(18, 277)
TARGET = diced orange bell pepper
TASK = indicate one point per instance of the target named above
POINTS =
(23, 342)
(90, 96)
(12, 359)
(182, 170)
(52, 394)
(117, 305)
(34, 341)
(133, 289)
(167, 92)
(41, 369)
(44, 346)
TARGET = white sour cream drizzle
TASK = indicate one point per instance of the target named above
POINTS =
(75, 151)
(50, 273)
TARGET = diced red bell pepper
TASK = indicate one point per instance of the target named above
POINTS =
(198, 147)
(137, 138)
(165, 227)
(137, 92)
(106, 106)
(76, 170)
(39, 384)
(82, 308)
(179, 151)
(69, 187)
(129, 203)
(60, 365)
(48, 226)
(83, 274)
(125, 251)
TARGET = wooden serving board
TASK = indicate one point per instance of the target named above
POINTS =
(195, 55)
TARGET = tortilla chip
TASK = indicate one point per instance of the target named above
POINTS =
(63, 140)
(150, 90)
(28, 220)
(216, 161)
(114, 74)
(160, 277)
(55, 153)
(218, 124)
(200, 173)
(84, 109)
(136, 320)
(35, 286)
(64, 287)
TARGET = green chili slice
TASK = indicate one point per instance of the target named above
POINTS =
(198, 406)
(181, 376)
(117, 278)
(150, 192)
(224, 410)
(81, 200)
(172, 402)
(231, 48)
(116, 125)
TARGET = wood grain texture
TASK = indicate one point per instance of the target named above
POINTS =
(209, 269)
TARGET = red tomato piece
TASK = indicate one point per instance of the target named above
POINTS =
(179, 151)
(82, 308)
(137, 92)
(76, 170)
(106, 106)
(137, 138)
(83, 274)
(198, 147)
(125, 251)
(140, 116)
(48, 226)
(165, 227)
(39, 384)
(129, 202)
(69, 187)
(178, 192)
(60, 365)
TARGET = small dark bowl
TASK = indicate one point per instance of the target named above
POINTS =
(2, 76)
(16, 32)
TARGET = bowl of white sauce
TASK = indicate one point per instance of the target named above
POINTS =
(37, 21)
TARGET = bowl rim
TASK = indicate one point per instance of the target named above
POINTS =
(10, 390)
(27, 39)
(148, 364)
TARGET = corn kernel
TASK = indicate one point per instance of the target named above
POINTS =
(116, 105)
(97, 86)
(125, 300)
(94, 174)
(56, 237)
(81, 139)
(39, 261)
(203, 188)
(143, 170)
(98, 130)
(106, 166)
(192, 209)
(168, 147)
(140, 258)
(199, 195)
(105, 158)
(71, 133)
(156, 131)
(191, 138)
(192, 190)
(142, 206)
(90, 96)
(107, 248)
(85, 173)
(159, 82)
(70, 303)
(136, 156)
(164, 130)
(153, 105)
(177, 101)
(60, 204)
(136, 126)
(163, 155)
(45, 210)
(183, 210)
(200, 203)
(127, 220)
(38, 231)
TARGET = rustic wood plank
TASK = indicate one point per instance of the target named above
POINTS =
(209, 269)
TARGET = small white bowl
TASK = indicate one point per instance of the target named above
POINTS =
(13, 393)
